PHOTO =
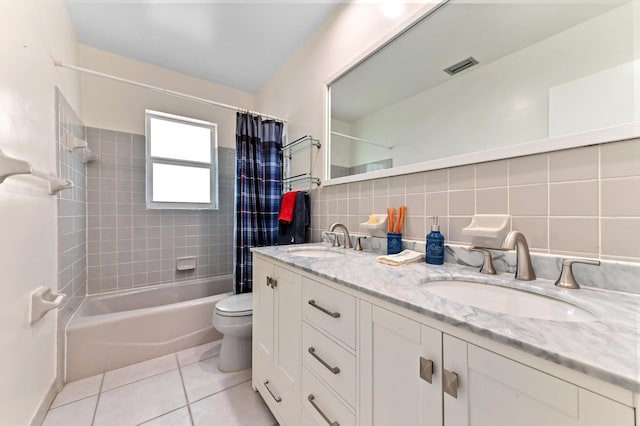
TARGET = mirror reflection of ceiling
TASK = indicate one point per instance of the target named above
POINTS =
(414, 62)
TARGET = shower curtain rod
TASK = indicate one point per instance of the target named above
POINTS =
(161, 90)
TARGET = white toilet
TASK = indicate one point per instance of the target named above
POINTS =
(233, 317)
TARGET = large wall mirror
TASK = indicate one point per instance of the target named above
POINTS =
(477, 76)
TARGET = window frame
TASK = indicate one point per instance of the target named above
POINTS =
(150, 161)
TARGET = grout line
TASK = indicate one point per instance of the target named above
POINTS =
(184, 389)
(95, 410)
(220, 391)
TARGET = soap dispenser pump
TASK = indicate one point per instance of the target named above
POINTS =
(435, 244)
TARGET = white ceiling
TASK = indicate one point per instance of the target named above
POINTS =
(487, 31)
(239, 44)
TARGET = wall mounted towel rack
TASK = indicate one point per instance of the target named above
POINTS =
(77, 143)
(289, 180)
(10, 166)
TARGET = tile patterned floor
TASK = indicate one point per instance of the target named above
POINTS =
(181, 389)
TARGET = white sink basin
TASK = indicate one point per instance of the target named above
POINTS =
(508, 301)
(317, 252)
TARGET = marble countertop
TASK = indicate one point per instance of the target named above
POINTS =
(606, 348)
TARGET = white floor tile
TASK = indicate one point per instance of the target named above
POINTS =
(73, 391)
(179, 417)
(79, 413)
(142, 370)
(203, 378)
(141, 401)
(238, 406)
(199, 353)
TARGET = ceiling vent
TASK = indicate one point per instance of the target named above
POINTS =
(461, 66)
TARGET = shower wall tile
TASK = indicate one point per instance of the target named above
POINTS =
(131, 246)
(72, 221)
(572, 202)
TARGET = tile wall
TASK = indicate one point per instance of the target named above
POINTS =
(72, 225)
(129, 246)
(582, 202)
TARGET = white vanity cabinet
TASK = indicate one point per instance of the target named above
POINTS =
(412, 374)
(328, 354)
(276, 339)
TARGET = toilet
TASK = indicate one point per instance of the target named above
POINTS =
(233, 318)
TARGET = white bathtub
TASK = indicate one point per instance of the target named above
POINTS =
(116, 329)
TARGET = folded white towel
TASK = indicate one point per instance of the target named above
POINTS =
(402, 258)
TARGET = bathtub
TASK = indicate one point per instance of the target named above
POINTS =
(124, 327)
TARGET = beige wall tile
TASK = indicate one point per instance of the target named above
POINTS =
(415, 204)
(492, 174)
(535, 230)
(366, 189)
(437, 180)
(455, 230)
(415, 183)
(381, 187)
(437, 204)
(462, 177)
(380, 205)
(366, 207)
(397, 185)
(620, 159)
(414, 227)
(462, 203)
(492, 201)
(528, 200)
(620, 237)
(574, 164)
(342, 191)
(396, 201)
(528, 170)
(573, 199)
(578, 235)
(620, 197)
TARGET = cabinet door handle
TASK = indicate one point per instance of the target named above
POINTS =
(273, 283)
(334, 370)
(326, 311)
(274, 396)
(426, 370)
(450, 382)
(311, 398)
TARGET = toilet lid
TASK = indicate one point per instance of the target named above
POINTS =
(236, 306)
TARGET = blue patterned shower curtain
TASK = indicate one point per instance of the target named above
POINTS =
(258, 190)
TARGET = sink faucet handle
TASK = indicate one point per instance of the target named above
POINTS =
(566, 278)
(487, 264)
(336, 241)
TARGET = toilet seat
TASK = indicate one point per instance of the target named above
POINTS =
(239, 305)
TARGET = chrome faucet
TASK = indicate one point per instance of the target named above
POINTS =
(524, 269)
(345, 233)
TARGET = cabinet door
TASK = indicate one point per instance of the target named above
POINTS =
(263, 312)
(499, 391)
(405, 356)
(288, 325)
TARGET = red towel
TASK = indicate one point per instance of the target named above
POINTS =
(286, 207)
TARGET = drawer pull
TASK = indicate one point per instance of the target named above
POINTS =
(450, 382)
(311, 398)
(320, 308)
(334, 370)
(274, 396)
(426, 370)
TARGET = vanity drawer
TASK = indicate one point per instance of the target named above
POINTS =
(330, 310)
(321, 404)
(331, 362)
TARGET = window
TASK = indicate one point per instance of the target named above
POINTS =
(182, 162)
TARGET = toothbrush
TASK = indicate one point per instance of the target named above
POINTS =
(403, 211)
(391, 212)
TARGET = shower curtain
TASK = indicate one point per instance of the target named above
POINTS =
(258, 190)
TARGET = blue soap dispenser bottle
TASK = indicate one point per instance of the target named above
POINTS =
(435, 244)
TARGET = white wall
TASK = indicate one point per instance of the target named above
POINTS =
(118, 106)
(31, 34)
(507, 101)
(298, 89)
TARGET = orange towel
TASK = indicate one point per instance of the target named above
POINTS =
(287, 205)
